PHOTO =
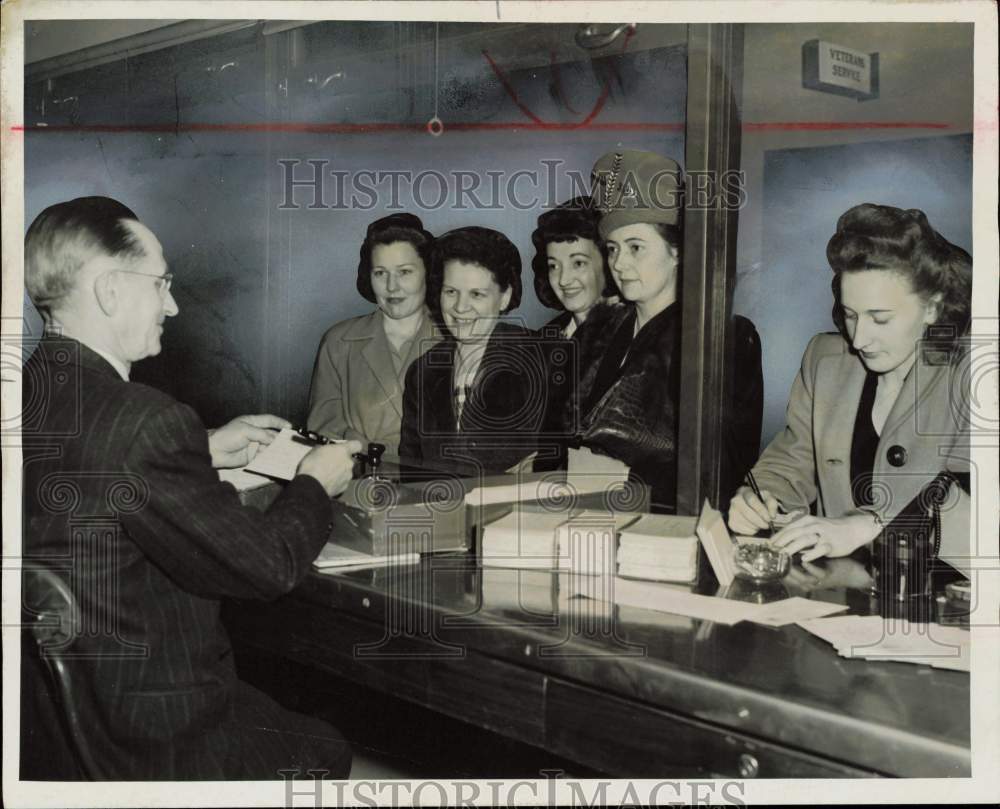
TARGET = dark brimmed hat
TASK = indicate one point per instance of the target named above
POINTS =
(630, 186)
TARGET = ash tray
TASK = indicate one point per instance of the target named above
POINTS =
(757, 560)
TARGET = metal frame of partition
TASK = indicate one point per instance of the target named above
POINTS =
(712, 145)
(133, 45)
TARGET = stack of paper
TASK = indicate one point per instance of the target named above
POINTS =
(531, 591)
(337, 557)
(659, 547)
(523, 539)
(243, 480)
(871, 637)
(588, 541)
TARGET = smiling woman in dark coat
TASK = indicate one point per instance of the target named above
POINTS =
(477, 402)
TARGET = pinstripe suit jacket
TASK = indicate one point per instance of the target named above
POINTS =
(121, 499)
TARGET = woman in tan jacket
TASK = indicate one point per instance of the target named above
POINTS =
(357, 382)
(876, 412)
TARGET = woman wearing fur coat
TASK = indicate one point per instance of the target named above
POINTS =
(626, 402)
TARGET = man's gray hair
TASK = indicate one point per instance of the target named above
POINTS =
(65, 236)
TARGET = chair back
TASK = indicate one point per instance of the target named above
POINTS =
(52, 616)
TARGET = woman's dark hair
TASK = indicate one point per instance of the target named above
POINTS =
(397, 227)
(572, 220)
(489, 249)
(672, 235)
(880, 237)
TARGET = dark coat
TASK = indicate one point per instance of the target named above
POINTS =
(630, 411)
(558, 323)
(506, 416)
(120, 497)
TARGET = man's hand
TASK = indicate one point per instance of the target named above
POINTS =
(236, 443)
(331, 464)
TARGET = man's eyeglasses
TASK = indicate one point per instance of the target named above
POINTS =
(163, 282)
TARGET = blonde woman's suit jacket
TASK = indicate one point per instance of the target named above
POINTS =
(810, 459)
(355, 391)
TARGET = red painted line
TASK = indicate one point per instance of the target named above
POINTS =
(829, 126)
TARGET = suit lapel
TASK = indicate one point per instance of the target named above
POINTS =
(377, 353)
(837, 395)
(904, 409)
(440, 375)
(913, 415)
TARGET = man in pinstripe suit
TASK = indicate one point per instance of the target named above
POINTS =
(121, 499)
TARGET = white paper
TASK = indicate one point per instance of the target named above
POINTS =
(874, 638)
(794, 610)
(584, 462)
(667, 598)
(588, 542)
(532, 591)
(337, 556)
(281, 458)
(243, 480)
(548, 487)
(522, 539)
(714, 536)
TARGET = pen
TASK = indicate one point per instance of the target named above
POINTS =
(756, 490)
(374, 450)
(312, 435)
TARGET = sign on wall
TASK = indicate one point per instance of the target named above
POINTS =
(835, 69)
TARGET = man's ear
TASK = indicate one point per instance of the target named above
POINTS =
(107, 293)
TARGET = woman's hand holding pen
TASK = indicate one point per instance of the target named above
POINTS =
(816, 536)
(749, 513)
